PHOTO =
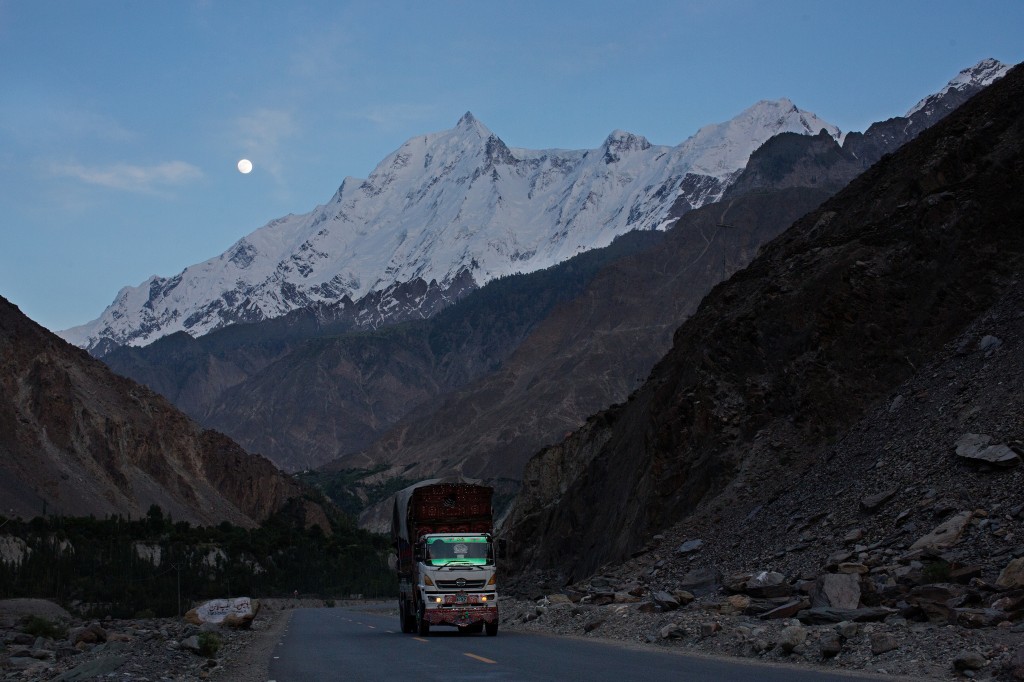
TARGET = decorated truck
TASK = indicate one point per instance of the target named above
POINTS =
(446, 569)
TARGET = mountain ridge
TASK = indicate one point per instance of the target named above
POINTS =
(77, 439)
(443, 203)
(786, 356)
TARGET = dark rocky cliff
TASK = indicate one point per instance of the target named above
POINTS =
(788, 354)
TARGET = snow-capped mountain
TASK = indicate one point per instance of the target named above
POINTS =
(968, 81)
(442, 207)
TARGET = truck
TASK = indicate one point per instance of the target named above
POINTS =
(445, 556)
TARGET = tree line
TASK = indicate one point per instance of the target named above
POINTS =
(154, 566)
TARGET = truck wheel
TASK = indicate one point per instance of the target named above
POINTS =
(492, 628)
(422, 625)
(408, 620)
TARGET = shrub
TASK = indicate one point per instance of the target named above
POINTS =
(329, 603)
(209, 644)
(41, 627)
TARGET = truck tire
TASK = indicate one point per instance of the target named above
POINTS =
(408, 620)
(491, 628)
(422, 624)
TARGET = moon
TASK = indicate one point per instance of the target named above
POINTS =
(245, 166)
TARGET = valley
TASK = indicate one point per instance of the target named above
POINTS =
(755, 394)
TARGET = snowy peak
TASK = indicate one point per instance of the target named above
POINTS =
(975, 77)
(451, 210)
(619, 142)
(443, 205)
(470, 125)
(719, 147)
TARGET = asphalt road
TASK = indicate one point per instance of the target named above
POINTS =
(353, 645)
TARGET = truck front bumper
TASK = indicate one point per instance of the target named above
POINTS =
(461, 614)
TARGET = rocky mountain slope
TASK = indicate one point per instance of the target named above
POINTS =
(76, 439)
(480, 393)
(587, 352)
(819, 397)
(594, 350)
(299, 390)
(442, 206)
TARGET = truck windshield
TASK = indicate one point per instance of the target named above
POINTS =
(459, 550)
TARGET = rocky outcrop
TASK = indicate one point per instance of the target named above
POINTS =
(791, 353)
(76, 439)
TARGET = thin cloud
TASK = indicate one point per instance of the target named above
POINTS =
(261, 134)
(393, 116)
(122, 176)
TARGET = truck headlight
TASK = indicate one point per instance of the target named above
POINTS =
(437, 599)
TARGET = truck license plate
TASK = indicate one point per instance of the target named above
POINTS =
(461, 598)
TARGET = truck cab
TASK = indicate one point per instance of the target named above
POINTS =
(457, 582)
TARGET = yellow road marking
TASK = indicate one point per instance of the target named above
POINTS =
(420, 639)
(481, 658)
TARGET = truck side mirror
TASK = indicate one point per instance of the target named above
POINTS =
(502, 548)
(417, 553)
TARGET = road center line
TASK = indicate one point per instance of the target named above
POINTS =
(420, 639)
(481, 658)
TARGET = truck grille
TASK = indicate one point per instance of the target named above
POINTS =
(460, 584)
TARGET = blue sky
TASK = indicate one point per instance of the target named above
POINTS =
(121, 122)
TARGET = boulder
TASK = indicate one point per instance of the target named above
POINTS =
(1012, 604)
(665, 601)
(838, 557)
(831, 644)
(689, 546)
(975, 447)
(787, 610)
(594, 624)
(768, 584)
(709, 629)
(946, 534)
(558, 598)
(683, 597)
(791, 637)
(969, 660)
(237, 612)
(838, 590)
(191, 644)
(672, 631)
(822, 615)
(872, 503)
(882, 642)
(701, 581)
(977, 618)
(1012, 576)
(736, 582)
(854, 535)
(91, 634)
